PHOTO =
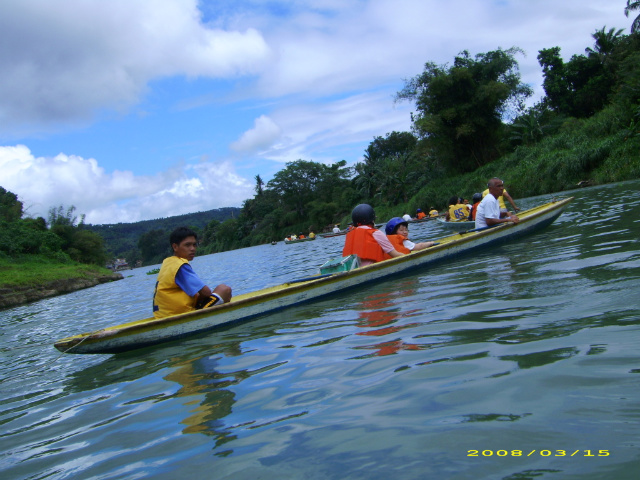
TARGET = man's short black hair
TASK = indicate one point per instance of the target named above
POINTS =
(180, 233)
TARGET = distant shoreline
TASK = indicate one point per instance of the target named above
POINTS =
(16, 295)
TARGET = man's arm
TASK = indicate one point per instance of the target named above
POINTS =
(496, 221)
(192, 285)
(508, 197)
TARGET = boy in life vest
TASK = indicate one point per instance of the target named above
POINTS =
(397, 231)
(179, 289)
(366, 241)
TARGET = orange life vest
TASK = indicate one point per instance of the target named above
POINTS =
(396, 241)
(473, 210)
(421, 215)
(360, 241)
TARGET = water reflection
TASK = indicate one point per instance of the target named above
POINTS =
(530, 344)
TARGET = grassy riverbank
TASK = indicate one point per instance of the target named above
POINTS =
(38, 270)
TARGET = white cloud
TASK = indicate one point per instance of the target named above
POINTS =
(263, 134)
(337, 47)
(42, 183)
(322, 132)
(62, 61)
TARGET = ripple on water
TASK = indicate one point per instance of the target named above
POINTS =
(527, 345)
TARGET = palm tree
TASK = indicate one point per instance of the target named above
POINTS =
(259, 184)
(605, 42)
(633, 5)
(527, 129)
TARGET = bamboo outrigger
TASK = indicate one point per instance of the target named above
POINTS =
(150, 331)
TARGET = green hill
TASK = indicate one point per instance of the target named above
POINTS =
(121, 239)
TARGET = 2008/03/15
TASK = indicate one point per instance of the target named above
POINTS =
(543, 453)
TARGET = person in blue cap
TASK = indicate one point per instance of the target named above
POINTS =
(397, 231)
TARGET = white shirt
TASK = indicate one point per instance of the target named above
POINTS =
(489, 207)
(406, 217)
(409, 244)
(336, 230)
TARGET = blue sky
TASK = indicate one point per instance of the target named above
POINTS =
(138, 109)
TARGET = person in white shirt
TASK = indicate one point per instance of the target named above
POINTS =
(406, 217)
(488, 213)
(336, 229)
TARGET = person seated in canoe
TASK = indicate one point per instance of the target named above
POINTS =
(397, 231)
(476, 199)
(301, 236)
(336, 229)
(488, 212)
(420, 214)
(407, 217)
(433, 212)
(503, 205)
(458, 211)
(366, 241)
(179, 289)
(312, 235)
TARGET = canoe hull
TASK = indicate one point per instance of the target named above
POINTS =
(456, 225)
(247, 306)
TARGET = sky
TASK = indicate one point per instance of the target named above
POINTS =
(132, 110)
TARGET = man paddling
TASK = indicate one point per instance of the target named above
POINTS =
(179, 289)
(488, 212)
(369, 243)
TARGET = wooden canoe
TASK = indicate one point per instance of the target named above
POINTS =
(299, 240)
(456, 225)
(332, 234)
(151, 331)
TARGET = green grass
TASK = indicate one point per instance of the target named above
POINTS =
(35, 270)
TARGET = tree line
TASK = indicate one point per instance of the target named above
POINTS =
(62, 238)
(470, 123)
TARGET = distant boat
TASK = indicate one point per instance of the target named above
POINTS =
(456, 225)
(120, 264)
(420, 220)
(298, 240)
(332, 234)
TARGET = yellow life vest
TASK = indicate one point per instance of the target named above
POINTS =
(169, 298)
(458, 213)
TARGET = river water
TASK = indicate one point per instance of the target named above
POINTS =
(516, 362)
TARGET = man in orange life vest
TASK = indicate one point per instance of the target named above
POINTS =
(369, 243)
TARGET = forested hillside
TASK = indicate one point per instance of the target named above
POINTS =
(147, 240)
(470, 123)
